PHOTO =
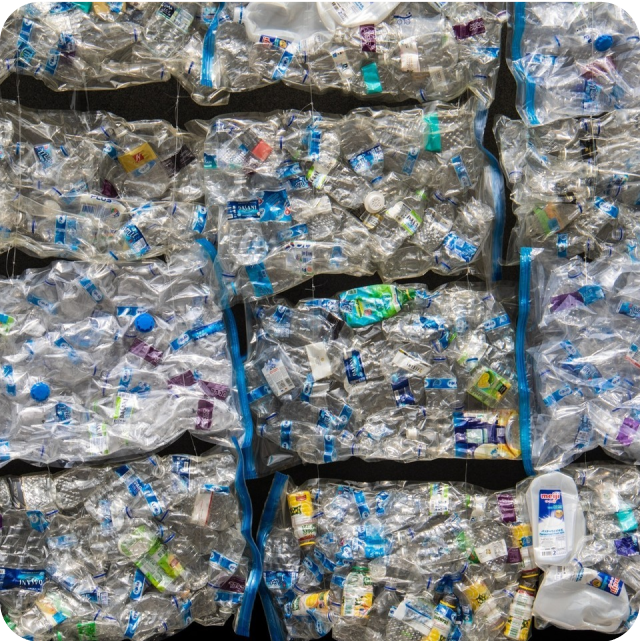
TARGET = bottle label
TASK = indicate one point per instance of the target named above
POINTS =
(363, 162)
(441, 383)
(410, 363)
(405, 217)
(409, 57)
(490, 551)
(460, 247)
(32, 580)
(606, 207)
(221, 562)
(277, 377)
(199, 220)
(628, 431)
(283, 64)
(416, 614)
(473, 28)
(285, 435)
(136, 159)
(586, 295)
(601, 581)
(132, 624)
(461, 172)
(301, 512)
(628, 546)
(204, 415)
(137, 589)
(489, 387)
(629, 309)
(402, 393)
(280, 580)
(354, 368)
(342, 62)
(432, 140)
(136, 241)
(179, 17)
(368, 38)
(551, 525)
(176, 163)
(240, 210)
(495, 323)
(438, 498)
(146, 352)
(259, 280)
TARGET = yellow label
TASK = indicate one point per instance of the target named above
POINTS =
(101, 8)
(301, 511)
(522, 534)
(477, 593)
(137, 157)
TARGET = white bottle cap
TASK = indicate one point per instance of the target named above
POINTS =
(374, 202)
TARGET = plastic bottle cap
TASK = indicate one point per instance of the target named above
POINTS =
(374, 202)
(604, 42)
(40, 392)
(144, 323)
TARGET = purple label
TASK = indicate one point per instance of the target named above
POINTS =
(203, 417)
(507, 508)
(514, 556)
(628, 430)
(178, 161)
(233, 584)
(186, 379)
(216, 390)
(109, 190)
(146, 352)
(368, 38)
(474, 28)
(627, 546)
(564, 302)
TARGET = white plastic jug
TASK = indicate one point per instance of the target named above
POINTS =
(557, 520)
(575, 605)
(292, 21)
(353, 14)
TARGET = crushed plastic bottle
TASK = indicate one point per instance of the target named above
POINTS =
(102, 361)
(387, 372)
(128, 551)
(394, 51)
(300, 194)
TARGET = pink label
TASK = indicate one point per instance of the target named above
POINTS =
(628, 430)
(146, 352)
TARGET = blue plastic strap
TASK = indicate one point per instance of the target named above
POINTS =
(278, 486)
(518, 30)
(499, 197)
(243, 619)
(238, 365)
(209, 49)
(524, 302)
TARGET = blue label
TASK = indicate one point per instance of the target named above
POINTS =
(410, 161)
(361, 503)
(283, 65)
(274, 206)
(354, 368)
(181, 466)
(363, 162)
(7, 374)
(307, 389)
(297, 231)
(402, 392)
(461, 172)
(132, 624)
(324, 560)
(383, 499)
(60, 231)
(289, 170)
(196, 334)
(557, 396)
(285, 435)
(91, 289)
(280, 579)
(494, 323)
(629, 309)
(460, 247)
(32, 580)
(221, 561)
(299, 183)
(433, 322)
(550, 506)
(610, 209)
(440, 383)
(37, 520)
(237, 209)
(258, 393)
(136, 241)
(137, 588)
(329, 452)
(591, 293)
(199, 219)
(127, 476)
(44, 155)
(259, 279)
(562, 243)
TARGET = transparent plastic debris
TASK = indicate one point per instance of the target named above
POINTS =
(574, 183)
(101, 361)
(385, 372)
(572, 59)
(581, 344)
(135, 550)
(390, 559)
(93, 186)
(390, 51)
(302, 193)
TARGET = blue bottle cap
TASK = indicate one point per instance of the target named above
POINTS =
(40, 392)
(144, 323)
(604, 42)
